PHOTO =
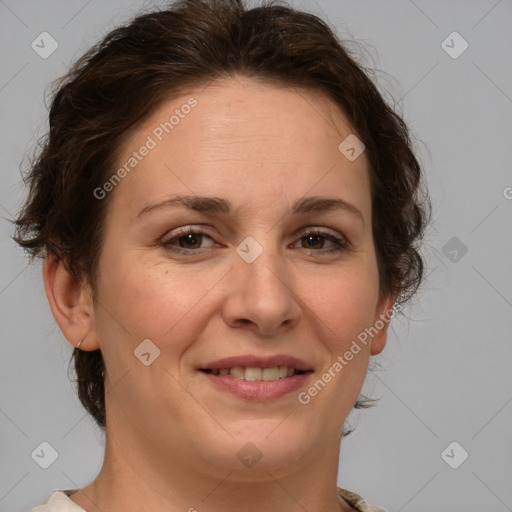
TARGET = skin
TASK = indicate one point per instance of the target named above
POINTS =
(172, 438)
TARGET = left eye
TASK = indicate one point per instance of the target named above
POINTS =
(312, 238)
(190, 240)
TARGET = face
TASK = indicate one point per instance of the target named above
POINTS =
(264, 273)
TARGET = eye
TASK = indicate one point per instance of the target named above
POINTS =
(312, 239)
(188, 239)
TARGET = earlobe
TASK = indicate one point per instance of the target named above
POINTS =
(71, 303)
(381, 323)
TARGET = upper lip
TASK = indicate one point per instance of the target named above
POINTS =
(255, 361)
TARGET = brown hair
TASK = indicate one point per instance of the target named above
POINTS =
(124, 77)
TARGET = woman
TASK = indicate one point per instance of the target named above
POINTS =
(228, 212)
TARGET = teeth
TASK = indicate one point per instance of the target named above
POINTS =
(270, 373)
(237, 371)
(253, 374)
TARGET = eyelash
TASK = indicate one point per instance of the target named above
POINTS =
(340, 244)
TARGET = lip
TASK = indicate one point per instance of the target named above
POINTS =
(255, 361)
(258, 390)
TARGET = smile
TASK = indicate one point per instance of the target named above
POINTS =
(257, 374)
(251, 383)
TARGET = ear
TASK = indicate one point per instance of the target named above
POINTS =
(71, 302)
(381, 322)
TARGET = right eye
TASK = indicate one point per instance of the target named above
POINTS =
(187, 238)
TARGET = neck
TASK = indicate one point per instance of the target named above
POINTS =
(131, 479)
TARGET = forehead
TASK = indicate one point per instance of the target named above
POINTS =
(243, 137)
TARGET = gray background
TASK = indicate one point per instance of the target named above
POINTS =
(445, 374)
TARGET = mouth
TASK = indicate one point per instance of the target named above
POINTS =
(254, 374)
(257, 378)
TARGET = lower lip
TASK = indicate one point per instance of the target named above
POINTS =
(256, 389)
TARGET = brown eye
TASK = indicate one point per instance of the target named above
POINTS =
(186, 240)
(314, 241)
(190, 241)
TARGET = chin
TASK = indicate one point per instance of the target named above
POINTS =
(262, 448)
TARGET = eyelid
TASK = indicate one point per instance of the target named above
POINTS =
(319, 229)
(340, 241)
(200, 229)
(174, 234)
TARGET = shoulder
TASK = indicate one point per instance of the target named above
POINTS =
(59, 501)
(357, 501)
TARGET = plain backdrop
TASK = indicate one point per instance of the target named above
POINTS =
(444, 376)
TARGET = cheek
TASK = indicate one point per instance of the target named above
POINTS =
(344, 303)
(148, 300)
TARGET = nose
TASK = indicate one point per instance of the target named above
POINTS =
(260, 295)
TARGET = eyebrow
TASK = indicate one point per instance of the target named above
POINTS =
(302, 206)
